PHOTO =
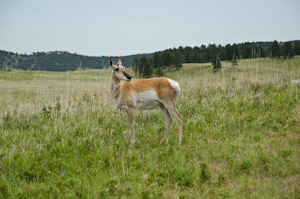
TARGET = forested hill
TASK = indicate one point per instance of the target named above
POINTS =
(58, 61)
(63, 61)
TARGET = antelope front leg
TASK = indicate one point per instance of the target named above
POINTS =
(131, 124)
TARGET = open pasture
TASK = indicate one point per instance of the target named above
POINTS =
(61, 135)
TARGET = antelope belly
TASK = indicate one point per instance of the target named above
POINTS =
(146, 100)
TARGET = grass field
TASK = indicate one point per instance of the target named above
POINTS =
(61, 135)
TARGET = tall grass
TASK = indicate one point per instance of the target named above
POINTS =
(61, 136)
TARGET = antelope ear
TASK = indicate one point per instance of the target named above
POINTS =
(120, 62)
(110, 62)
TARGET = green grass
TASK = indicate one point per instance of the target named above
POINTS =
(61, 136)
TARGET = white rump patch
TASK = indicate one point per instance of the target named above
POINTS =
(175, 85)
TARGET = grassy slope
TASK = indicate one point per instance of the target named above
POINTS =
(62, 137)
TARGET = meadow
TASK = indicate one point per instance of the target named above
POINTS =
(61, 135)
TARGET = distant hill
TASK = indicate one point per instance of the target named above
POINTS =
(58, 61)
(64, 61)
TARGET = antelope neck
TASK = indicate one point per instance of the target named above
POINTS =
(115, 86)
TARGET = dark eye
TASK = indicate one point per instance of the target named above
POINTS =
(117, 69)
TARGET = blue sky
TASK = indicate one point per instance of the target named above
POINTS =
(117, 28)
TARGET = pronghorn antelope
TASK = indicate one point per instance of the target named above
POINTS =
(145, 94)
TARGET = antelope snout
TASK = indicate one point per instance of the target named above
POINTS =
(128, 79)
(127, 76)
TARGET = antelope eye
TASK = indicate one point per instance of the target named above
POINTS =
(117, 69)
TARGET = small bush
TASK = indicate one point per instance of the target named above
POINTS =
(216, 63)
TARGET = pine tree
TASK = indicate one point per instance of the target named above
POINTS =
(213, 51)
(159, 72)
(236, 51)
(157, 60)
(234, 60)
(274, 49)
(145, 67)
(221, 52)
(297, 48)
(246, 49)
(178, 59)
(187, 54)
(204, 54)
(166, 58)
(228, 52)
(195, 55)
(288, 50)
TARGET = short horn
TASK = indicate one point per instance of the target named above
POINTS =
(120, 61)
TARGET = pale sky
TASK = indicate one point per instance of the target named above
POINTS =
(118, 28)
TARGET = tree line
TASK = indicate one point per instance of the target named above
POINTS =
(174, 58)
(154, 63)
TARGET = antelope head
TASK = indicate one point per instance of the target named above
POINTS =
(119, 70)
